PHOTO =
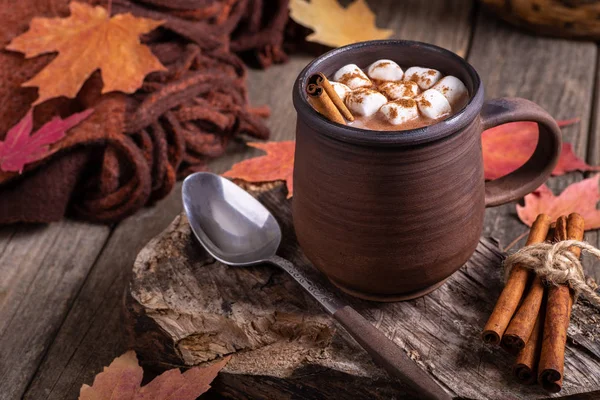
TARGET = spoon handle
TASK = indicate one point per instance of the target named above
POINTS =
(327, 299)
(388, 355)
(383, 350)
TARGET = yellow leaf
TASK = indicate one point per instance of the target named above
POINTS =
(88, 40)
(334, 25)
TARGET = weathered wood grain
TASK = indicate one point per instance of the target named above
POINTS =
(41, 268)
(555, 73)
(593, 157)
(443, 23)
(185, 309)
(91, 335)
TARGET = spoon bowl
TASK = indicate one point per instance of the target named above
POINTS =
(233, 226)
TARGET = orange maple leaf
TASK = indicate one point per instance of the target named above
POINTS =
(277, 165)
(123, 377)
(580, 197)
(506, 147)
(88, 40)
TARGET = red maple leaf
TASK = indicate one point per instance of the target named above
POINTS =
(277, 165)
(20, 147)
(580, 197)
(506, 147)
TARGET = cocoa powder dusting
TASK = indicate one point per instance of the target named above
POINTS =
(408, 89)
(358, 94)
(424, 102)
(347, 77)
(405, 103)
(378, 123)
(381, 65)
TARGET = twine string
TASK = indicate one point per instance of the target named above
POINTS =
(555, 264)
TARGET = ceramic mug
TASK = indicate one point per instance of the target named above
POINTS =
(389, 216)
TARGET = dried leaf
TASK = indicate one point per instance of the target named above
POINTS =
(277, 165)
(88, 40)
(580, 197)
(122, 378)
(506, 147)
(334, 25)
(20, 147)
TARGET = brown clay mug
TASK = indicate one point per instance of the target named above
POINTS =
(389, 216)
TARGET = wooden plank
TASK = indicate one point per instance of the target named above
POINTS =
(42, 269)
(555, 73)
(91, 335)
(443, 23)
(592, 265)
(283, 343)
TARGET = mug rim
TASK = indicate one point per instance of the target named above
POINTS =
(409, 137)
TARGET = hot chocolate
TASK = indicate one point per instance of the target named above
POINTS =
(384, 97)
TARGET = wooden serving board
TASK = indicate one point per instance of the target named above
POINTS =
(183, 308)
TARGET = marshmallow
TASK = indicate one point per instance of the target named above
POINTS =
(341, 90)
(400, 111)
(385, 70)
(452, 88)
(433, 104)
(365, 102)
(352, 76)
(425, 77)
(399, 90)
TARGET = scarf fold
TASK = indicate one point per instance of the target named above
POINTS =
(132, 149)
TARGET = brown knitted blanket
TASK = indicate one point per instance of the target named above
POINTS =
(132, 149)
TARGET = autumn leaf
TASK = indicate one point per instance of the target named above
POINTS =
(506, 147)
(277, 165)
(580, 197)
(88, 40)
(20, 147)
(334, 25)
(123, 377)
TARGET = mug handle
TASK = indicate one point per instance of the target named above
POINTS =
(538, 168)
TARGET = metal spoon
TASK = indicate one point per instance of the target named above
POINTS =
(238, 230)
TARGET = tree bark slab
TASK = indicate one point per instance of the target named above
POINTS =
(183, 308)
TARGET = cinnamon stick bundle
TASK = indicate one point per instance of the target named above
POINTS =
(558, 313)
(522, 325)
(515, 286)
(525, 368)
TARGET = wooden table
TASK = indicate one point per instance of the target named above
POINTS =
(61, 285)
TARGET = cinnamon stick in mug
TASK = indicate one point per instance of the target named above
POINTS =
(320, 100)
(523, 322)
(558, 313)
(525, 368)
(321, 80)
(515, 286)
